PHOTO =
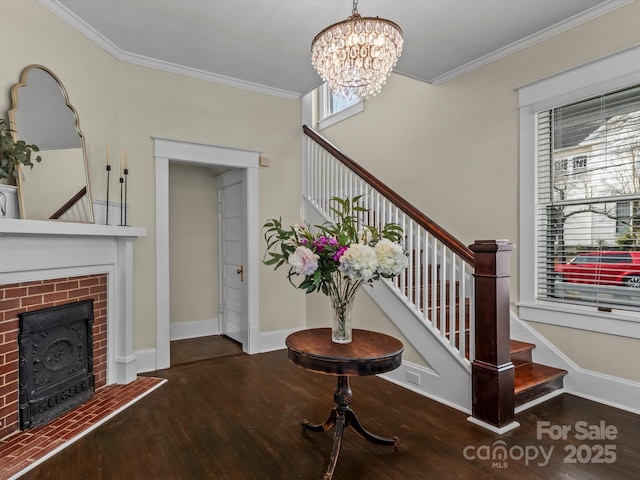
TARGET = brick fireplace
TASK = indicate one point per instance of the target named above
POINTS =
(32, 296)
(54, 263)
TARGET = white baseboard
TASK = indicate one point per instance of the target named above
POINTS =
(493, 428)
(539, 400)
(146, 360)
(427, 383)
(194, 329)
(613, 391)
(275, 340)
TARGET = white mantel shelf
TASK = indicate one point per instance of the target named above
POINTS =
(43, 227)
(38, 250)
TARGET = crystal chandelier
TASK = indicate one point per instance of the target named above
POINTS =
(356, 56)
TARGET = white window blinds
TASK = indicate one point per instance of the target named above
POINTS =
(589, 201)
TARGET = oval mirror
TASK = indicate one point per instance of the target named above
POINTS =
(58, 187)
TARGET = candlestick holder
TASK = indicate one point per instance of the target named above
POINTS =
(121, 201)
(126, 175)
(108, 177)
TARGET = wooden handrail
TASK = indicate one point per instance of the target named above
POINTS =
(416, 215)
(70, 203)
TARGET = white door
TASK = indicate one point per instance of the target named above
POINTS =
(232, 300)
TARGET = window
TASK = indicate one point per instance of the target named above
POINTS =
(623, 218)
(338, 103)
(333, 108)
(587, 215)
(536, 301)
(562, 165)
(580, 164)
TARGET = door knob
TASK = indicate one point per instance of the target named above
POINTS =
(240, 271)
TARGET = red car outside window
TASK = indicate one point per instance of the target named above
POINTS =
(603, 268)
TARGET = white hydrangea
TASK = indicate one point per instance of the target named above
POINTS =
(391, 258)
(303, 261)
(359, 262)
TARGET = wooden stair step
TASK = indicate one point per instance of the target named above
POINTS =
(521, 352)
(533, 380)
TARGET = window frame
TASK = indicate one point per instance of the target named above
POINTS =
(325, 117)
(617, 71)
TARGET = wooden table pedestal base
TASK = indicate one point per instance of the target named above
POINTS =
(342, 417)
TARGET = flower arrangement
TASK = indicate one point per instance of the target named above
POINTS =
(336, 258)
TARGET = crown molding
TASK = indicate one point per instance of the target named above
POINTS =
(531, 40)
(72, 19)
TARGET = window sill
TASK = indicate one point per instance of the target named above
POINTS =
(616, 322)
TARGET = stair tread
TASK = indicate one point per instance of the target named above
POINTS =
(530, 375)
(517, 346)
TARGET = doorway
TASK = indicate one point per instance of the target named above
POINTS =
(245, 164)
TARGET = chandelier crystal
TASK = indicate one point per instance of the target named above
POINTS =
(356, 56)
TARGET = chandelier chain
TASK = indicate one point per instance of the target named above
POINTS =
(355, 7)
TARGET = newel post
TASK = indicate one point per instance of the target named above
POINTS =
(492, 373)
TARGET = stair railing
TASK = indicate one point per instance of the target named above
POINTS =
(438, 283)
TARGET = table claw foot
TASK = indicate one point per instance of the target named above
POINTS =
(321, 427)
(354, 423)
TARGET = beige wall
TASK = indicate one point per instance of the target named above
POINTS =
(155, 104)
(127, 105)
(607, 354)
(193, 243)
(452, 150)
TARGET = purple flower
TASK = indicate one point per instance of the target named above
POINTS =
(321, 242)
(339, 253)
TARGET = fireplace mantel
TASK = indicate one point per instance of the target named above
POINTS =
(35, 250)
(12, 227)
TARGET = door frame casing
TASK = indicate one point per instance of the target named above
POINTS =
(166, 151)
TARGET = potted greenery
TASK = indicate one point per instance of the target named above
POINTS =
(13, 153)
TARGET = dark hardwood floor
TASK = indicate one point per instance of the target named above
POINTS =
(202, 348)
(238, 417)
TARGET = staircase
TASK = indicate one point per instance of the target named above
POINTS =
(433, 303)
(532, 380)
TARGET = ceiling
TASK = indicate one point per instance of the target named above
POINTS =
(264, 45)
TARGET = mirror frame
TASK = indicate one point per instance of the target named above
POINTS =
(12, 122)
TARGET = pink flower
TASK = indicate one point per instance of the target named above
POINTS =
(339, 253)
(322, 241)
(303, 261)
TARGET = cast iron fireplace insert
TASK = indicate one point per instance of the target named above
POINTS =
(56, 361)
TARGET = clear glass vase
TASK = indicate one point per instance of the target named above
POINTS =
(341, 331)
(342, 294)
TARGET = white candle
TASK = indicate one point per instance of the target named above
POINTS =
(121, 166)
(108, 160)
(126, 161)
